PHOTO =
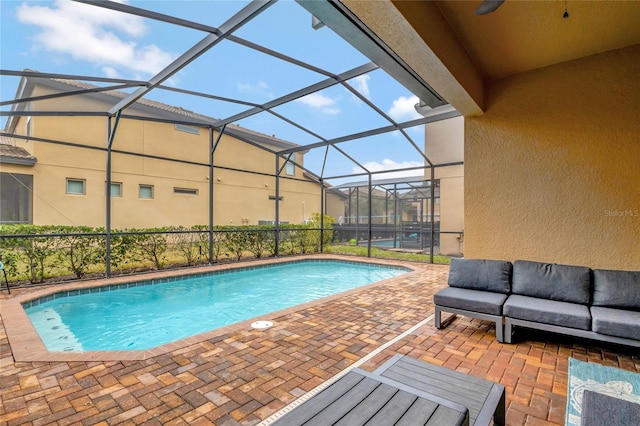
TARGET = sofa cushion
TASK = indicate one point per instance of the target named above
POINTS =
(471, 300)
(481, 274)
(616, 322)
(546, 311)
(563, 283)
(616, 289)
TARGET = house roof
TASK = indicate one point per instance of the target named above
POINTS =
(11, 154)
(144, 106)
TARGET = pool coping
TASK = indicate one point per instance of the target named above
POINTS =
(26, 344)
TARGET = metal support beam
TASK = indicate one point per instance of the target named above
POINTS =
(369, 228)
(331, 81)
(239, 19)
(71, 93)
(107, 213)
(343, 22)
(378, 131)
(322, 206)
(212, 147)
(433, 207)
(277, 208)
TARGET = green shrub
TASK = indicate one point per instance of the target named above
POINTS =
(79, 252)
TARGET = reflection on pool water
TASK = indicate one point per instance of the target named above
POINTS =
(152, 313)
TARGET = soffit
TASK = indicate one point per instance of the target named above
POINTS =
(525, 35)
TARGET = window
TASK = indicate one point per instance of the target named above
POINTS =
(187, 191)
(188, 129)
(75, 186)
(16, 198)
(145, 191)
(290, 168)
(116, 189)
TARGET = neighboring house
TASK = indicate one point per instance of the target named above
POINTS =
(160, 170)
(16, 202)
(444, 144)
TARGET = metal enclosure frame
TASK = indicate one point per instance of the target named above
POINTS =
(331, 13)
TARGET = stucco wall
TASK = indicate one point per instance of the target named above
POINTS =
(444, 143)
(239, 198)
(552, 170)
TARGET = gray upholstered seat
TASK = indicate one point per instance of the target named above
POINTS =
(616, 322)
(471, 300)
(477, 288)
(547, 311)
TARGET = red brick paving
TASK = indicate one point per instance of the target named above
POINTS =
(243, 376)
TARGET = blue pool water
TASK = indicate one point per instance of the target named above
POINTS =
(144, 316)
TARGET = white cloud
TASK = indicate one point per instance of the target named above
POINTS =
(259, 89)
(403, 109)
(110, 72)
(361, 84)
(320, 102)
(88, 33)
(387, 164)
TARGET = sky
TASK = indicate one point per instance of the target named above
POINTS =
(73, 38)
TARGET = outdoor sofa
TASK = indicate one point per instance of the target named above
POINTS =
(596, 304)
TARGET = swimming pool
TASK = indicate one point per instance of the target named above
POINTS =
(146, 314)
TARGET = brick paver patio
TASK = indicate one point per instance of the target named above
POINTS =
(243, 376)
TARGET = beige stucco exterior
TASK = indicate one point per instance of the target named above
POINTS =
(551, 150)
(552, 168)
(239, 197)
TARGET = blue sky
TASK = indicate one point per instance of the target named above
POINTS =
(73, 38)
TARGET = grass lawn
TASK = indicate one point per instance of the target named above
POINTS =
(384, 254)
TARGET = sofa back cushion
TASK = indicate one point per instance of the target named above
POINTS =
(552, 281)
(481, 274)
(616, 289)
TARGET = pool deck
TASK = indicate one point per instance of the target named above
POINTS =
(242, 376)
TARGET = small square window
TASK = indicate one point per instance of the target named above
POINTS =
(116, 189)
(145, 191)
(75, 186)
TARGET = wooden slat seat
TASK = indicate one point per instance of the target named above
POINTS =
(404, 391)
(361, 398)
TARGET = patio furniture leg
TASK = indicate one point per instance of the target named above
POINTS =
(508, 332)
(500, 331)
(437, 318)
(439, 324)
(499, 415)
